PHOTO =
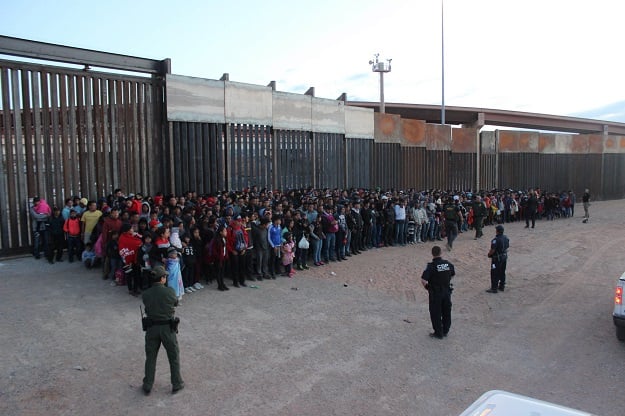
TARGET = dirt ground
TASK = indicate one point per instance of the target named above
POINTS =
(351, 340)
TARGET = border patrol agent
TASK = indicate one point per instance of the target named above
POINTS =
(498, 254)
(436, 278)
(161, 328)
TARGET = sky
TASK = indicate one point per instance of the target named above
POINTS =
(561, 57)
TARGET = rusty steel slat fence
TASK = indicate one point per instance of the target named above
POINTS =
(68, 132)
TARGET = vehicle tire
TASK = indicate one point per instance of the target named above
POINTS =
(620, 333)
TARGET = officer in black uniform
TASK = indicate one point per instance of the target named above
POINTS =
(161, 328)
(498, 254)
(436, 278)
(531, 209)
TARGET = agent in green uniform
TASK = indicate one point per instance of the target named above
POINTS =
(159, 302)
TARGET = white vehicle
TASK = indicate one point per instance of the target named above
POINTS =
(502, 403)
(618, 316)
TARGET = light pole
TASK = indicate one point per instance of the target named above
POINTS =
(381, 67)
(442, 62)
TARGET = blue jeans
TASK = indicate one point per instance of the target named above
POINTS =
(316, 250)
(329, 247)
(400, 232)
(432, 228)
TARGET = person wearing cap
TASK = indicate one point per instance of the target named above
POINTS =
(498, 254)
(479, 213)
(452, 215)
(436, 279)
(160, 302)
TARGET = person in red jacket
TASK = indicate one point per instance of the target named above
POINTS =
(72, 235)
(129, 244)
(237, 243)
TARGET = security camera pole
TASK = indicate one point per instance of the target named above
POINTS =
(381, 67)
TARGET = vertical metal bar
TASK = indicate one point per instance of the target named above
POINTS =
(5, 180)
(72, 186)
(56, 137)
(38, 139)
(9, 132)
(28, 130)
(62, 192)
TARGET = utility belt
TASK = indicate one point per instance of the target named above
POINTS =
(500, 257)
(147, 323)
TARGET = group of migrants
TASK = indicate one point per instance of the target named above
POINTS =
(257, 234)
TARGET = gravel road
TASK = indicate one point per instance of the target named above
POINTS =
(350, 343)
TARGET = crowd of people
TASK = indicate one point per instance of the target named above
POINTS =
(257, 234)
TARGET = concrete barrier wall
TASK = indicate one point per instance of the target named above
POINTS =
(210, 101)
(195, 99)
(292, 111)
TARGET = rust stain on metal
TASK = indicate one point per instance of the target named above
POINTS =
(414, 132)
(595, 143)
(579, 144)
(610, 143)
(546, 142)
(438, 137)
(508, 141)
(464, 140)
(387, 125)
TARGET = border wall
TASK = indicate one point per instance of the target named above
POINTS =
(66, 132)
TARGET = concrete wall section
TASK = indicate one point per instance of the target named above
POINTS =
(546, 143)
(388, 128)
(614, 144)
(328, 116)
(528, 141)
(413, 132)
(563, 143)
(595, 143)
(464, 140)
(359, 123)
(194, 99)
(438, 137)
(248, 104)
(292, 111)
(508, 141)
(489, 142)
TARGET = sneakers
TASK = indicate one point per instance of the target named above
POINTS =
(305, 267)
(188, 290)
(198, 286)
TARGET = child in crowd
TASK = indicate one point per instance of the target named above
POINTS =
(174, 280)
(145, 262)
(287, 249)
(188, 260)
(88, 256)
